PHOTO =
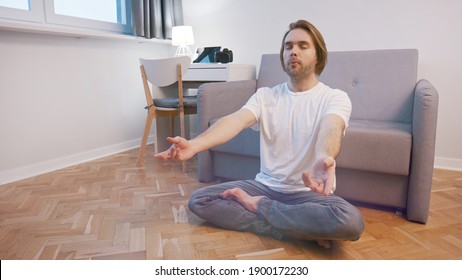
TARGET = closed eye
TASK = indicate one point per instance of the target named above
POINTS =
(302, 45)
(288, 46)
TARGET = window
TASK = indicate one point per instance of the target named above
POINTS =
(108, 15)
(111, 15)
(16, 4)
(27, 10)
(104, 10)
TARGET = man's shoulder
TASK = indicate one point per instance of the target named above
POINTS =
(276, 88)
(332, 91)
(267, 92)
(280, 87)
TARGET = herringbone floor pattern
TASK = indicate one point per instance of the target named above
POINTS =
(109, 209)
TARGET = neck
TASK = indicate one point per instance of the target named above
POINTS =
(301, 85)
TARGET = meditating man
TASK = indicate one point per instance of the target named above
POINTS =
(301, 124)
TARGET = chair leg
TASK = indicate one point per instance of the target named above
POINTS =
(182, 132)
(172, 126)
(144, 140)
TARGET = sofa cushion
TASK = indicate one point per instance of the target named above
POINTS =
(377, 146)
(383, 147)
(188, 102)
(380, 83)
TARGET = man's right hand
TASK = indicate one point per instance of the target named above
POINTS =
(180, 150)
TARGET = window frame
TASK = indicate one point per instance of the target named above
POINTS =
(34, 14)
(42, 12)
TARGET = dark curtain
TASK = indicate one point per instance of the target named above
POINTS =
(155, 18)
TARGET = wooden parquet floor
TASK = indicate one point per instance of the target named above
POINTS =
(110, 209)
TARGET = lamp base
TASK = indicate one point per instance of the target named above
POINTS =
(183, 51)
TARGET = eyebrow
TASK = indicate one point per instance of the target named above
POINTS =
(296, 43)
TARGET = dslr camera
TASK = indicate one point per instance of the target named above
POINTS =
(224, 56)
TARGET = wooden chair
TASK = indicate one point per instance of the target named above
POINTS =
(162, 73)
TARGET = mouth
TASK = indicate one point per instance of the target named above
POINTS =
(293, 62)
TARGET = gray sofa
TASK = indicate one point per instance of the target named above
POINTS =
(388, 150)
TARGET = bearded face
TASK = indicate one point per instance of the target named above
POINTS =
(297, 69)
(299, 54)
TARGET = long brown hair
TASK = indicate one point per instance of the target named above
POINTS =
(318, 40)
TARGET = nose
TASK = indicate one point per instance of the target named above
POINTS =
(294, 51)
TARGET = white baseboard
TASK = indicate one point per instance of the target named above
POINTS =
(448, 163)
(28, 171)
(39, 168)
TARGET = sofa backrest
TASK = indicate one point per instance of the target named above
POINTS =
(380, 83)
(270, 73)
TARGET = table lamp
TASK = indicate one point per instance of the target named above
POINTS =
(182, 36)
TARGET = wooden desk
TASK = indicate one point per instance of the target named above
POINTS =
(217, 72)
(197, 74)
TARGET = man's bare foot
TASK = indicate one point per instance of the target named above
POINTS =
(249, 202)
(324, 243)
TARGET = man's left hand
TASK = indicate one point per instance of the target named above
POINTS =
(321, 176)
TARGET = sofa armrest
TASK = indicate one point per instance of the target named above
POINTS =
(215, 100)
(423, 151)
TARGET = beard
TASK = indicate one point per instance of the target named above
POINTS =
(299, 71)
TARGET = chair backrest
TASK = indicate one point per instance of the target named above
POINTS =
(380, 83)
(163, 72)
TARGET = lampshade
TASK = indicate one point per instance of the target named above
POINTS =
(182, 35)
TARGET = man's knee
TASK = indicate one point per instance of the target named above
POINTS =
(195, 201)
(356, 232)
(354, 227)
(349, 225)
(201, 199)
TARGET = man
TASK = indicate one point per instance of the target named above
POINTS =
(301, 125)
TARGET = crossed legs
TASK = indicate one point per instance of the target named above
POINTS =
(251, 206)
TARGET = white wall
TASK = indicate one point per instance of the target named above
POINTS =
(65, 100)
(251, 28)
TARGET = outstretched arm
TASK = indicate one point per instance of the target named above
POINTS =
(322, 175)
(220, 132)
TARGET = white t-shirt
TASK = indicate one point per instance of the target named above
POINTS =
(289, 124)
